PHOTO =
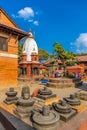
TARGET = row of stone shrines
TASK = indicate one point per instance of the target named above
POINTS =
(10, 34)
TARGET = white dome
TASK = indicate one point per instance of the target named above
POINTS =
(29, 47)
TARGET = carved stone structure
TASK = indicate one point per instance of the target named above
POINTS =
(46, 120)
(64, 82)
(64, 110)
(45, 93)
(73, 100)
(11, 96)
(25, 104)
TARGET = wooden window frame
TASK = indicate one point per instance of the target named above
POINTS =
(3, 44)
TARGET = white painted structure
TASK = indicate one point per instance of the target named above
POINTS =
(30, 46)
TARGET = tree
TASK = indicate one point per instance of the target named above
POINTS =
(62, 54)
(43, 54)
(58, 50)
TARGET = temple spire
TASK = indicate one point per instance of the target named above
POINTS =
(30, 34)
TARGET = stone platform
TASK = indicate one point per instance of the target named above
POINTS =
(66, 117)
(10, 108)
(79, 108)
(82, 95)
(64, 82)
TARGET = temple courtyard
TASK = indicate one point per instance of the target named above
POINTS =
(78, 122)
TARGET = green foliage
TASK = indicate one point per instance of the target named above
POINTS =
(19, 51)
(58, 50)
(61, 53)
(43, 54)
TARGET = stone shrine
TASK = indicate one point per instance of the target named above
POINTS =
(64, 110)
(45, 120)
(11, 96)
(45, 93)
(25, 103)
(73, 100)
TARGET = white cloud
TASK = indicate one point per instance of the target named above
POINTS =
(30, 20)
(14, 16)
(26, 13)
(80, 43)
(81, 40)
(36, 23)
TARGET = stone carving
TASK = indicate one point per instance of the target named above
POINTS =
(64, 110)
(45, 120)
(11, 96)
(72, 100)
(45, 93)
(25, 103)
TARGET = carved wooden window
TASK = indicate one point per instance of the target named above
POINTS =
(3, 44)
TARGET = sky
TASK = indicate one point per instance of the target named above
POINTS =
(62, 21)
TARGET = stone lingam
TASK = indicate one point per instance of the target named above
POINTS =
(45, 120)
(73, 100)
(11, 96)
(45, 93)
(24, 104)
(64, 110)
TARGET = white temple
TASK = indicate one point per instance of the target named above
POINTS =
(30, 46)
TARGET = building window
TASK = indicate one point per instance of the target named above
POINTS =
(23, 70)
(3, 44)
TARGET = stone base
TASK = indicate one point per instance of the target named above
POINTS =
(23, 111)
(44, 97)
(52, 100)
(10, 102)
(21, 115)
(48, 127)
(64, 82)
(79, 108)
(67, 116)
(82, 95)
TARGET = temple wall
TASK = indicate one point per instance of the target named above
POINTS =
(5, 20)
(9, 58)
(8, 71)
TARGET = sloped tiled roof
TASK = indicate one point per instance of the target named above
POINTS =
(82, 58)
(50, 60)
(74, 67)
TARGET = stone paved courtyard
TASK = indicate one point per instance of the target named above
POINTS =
(73, 123)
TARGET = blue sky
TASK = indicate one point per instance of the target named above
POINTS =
(62, 21)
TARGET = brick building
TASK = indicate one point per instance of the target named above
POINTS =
(83, 62)
(10, 34)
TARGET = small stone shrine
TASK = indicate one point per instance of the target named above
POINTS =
(25, 103)
(11, 96)
(73, 100)
(45, 93)
(64, 110)
(45, 120)
(75, 103)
